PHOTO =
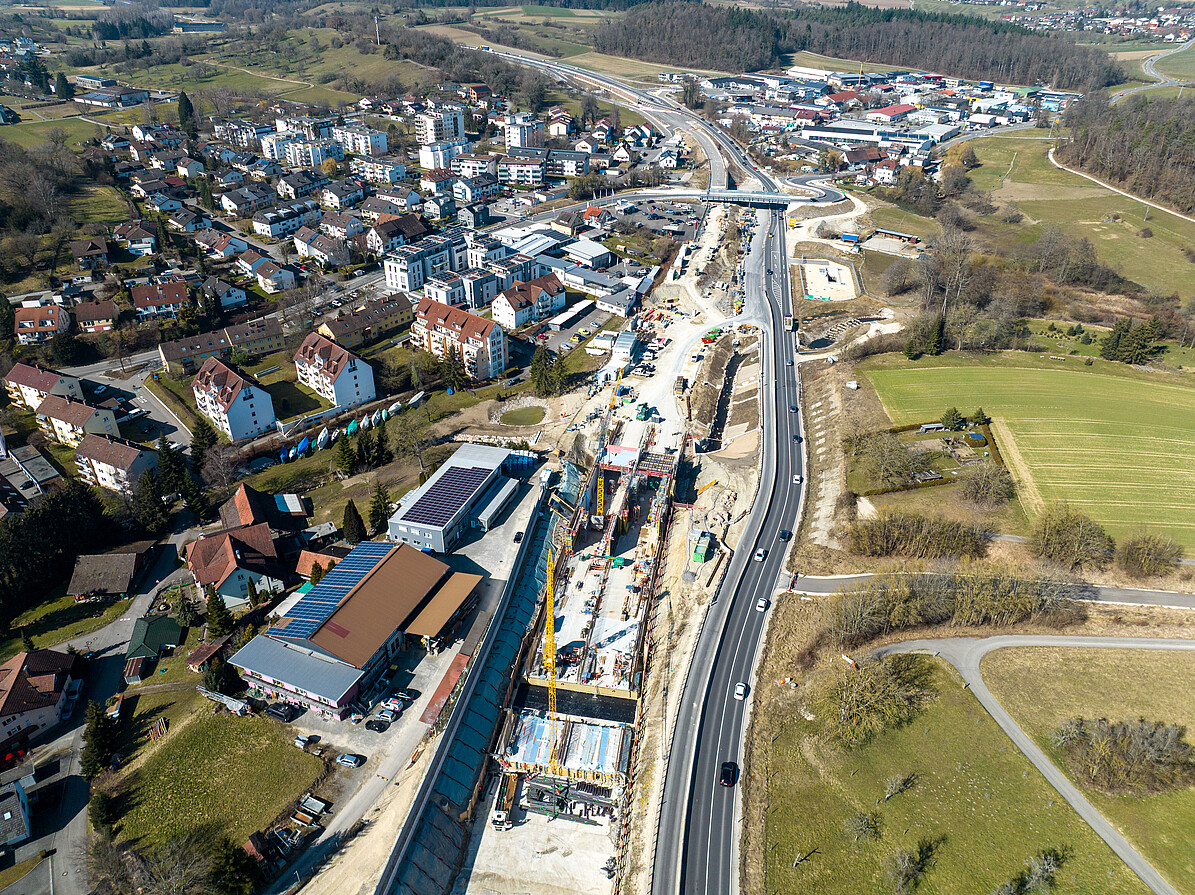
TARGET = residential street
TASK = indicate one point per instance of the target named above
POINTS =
(965, 655)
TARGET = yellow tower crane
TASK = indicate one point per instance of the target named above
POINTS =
(601, 495)
(550, 670)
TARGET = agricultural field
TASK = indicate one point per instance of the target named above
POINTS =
(29, 134)
(1016, 169)
(99, 205)
(1180, 65)
(1113, 442)
(1118, 684)
(974, 794)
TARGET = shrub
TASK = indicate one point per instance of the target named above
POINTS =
(907, 868)
(1137, 757)
(863, 826)
(1145, 555)
(1071, 539)
(857, 705)
(987, 484)
(908, 534)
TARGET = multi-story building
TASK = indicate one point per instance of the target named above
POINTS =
(341, 224)
(387, 169)
(442, 123)
(39, 323)
(273, 145)
(358, 139)
(481, 286)
(342, 194)
(409, 267)
(521, 129)
(446, 288)
(152, 300)
(376, 318)
(441, 154)
(333, 372)
(522, 171)
(557, 162)
(286, 219)
(242, 134)
(467, 165)
(112, 463)
(67, 420)
(254, 337)
(234, 402)
(468, 190)
(313, 153)
(29, 384)
(309, 127)
(96, 316)
(525, 302)
(481, 343)
(327, 250)
(299, 184)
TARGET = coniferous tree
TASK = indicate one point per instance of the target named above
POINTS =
(63, 89)
(346, 457)
(379, 507)
(203, 439)
(353, 528)
(219, 619)
(365, 450)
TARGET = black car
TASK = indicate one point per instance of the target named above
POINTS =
(518, 536)
(730, 773)
(377, 726)
(785, 534)
(406, 695)
(283, 711)
(769, 271)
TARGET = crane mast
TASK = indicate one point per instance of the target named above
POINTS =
(550, 669)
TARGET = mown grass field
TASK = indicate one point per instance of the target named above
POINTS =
(231, 774)
(1113, 442)
(524, 416)
(973, 787)
(1119, 684)
(99, 205)
(1180, 65)
(31, 133)
(58, 619)
(1016, 169)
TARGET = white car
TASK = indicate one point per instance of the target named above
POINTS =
(740, 691)
(761, 604)
(760, 555)
(797, 479)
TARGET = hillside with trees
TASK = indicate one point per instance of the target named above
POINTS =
(1141, 145)
(700, 36)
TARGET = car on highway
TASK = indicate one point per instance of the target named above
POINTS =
(796, 439)
(761, 604)
(789, 362)
(729, 773)
(377, 726)
(792, 408)
(760, 555)
(769, 271)
(797, 478)
(740, 691)
(349, 760)
(785, 534)
(518, 536)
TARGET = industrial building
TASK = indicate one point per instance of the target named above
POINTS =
(470, 490)
(334, 641)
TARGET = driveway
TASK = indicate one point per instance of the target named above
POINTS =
(965, 655)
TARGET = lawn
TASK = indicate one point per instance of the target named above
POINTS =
(893, 218)
(175, 395)
(973, 790)
(1113, 442)
(29, 134)
(1119, 684)
(99, 205)
(524, 416)
(17, 872)
(59, 619)
(1016, 169)
(217, 771)
(291, 399)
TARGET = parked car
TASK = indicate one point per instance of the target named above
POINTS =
(407, 695)
(283, 711)
(377, 726)
(389, 715)
(349, 760)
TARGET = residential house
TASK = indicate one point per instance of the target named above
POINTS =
(152, 636)
(341, 224)
(228, 560)
(190, 168)
(475, 216)
(16, 824)
(227, 294)
(283, 513)
(376, 207)
(40, 323)
(34, 687)
(525, 302)
(273, 278)
(248, 199)
(342, 194)
(235, 403)
(112, 575)
(112, 463)
(139, 237)
(376, 318)
(68, 420)
(439, 208)
(90, 253)
(300, 184)
(480, 342)
(152, 300)
(381, 239)
(286, 219)
(400, 195)
(96, 316)
(468, 190)
(437, 182)
(187, 221)
(29, 384)
(333, 372)
(219, 245)
(162, 203)
(326, 250)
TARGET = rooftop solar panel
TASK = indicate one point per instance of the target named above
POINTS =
(318, 604)
(451, 491)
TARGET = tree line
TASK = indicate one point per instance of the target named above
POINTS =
(1142, 145)
(696, 35)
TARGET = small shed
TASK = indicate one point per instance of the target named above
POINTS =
(153, 636)
(199, 658)
(137, 670)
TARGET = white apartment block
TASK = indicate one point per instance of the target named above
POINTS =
(232, 400)
(333, 372)
(357, 139)
(443, 123)
(480, 342)
(313, 153)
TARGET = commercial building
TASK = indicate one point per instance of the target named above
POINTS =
(468, 491)
(333, 372)
(337, 640)
(481, 343)
(113, 463)
(232, 400)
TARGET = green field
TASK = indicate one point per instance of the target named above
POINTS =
(59, 619)
(1114, 443)
(1180, 65)
(973, 788)
(29, 134)
(1119, 684)
(524, 416)
(232, 774)
(99, 205)
(1016, 169)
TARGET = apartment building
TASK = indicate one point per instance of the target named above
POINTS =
(357, 139)
(333, 372)
(113, 463)
(234, 402)
(480, 342)
(29, 384)
(67, 420)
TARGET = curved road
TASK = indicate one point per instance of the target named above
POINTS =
(1148, 68)
(965, 655)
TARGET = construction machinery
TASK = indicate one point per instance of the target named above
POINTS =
(703, 487)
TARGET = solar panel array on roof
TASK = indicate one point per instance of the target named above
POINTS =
(318, 604)
(445, 498)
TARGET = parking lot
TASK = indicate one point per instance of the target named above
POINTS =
(558, 341)
(675, 219)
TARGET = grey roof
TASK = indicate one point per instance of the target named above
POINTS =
(12, 819)
(109, 574)
(301, 668)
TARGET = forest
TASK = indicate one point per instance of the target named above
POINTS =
(1144, 146)
(695, 35)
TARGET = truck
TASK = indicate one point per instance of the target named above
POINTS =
(790, 322)
(852, 238)
(679, 389)
(506, 800)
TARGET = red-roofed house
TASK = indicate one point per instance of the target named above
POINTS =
(890, 114)
(159, 299)
(480, 342)
(33, 690)
(232, 400)
(67, 420)
(29, 384)
(229, 560)
(33, 325)
(282, 512)
(335, 373)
